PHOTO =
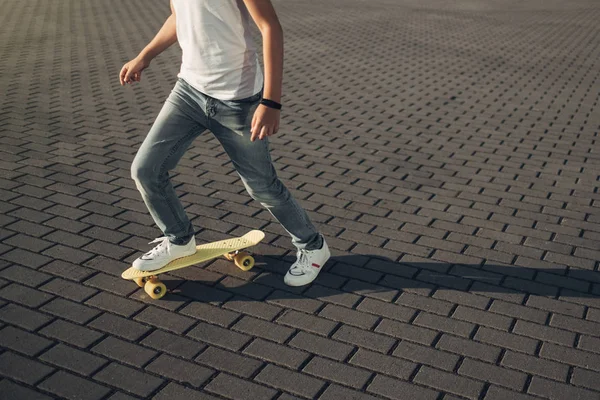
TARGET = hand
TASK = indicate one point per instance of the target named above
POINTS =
(265, 122)
(132, 71)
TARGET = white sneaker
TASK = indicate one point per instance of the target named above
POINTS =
(164, 253)
(307, 266)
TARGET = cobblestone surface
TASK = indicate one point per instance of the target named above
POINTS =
(448, 150)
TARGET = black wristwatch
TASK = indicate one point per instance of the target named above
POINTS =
(270, 104)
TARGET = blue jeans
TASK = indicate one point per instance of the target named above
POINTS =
(185, 115)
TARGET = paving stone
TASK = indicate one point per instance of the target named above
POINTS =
(174, 391)
(23, 317)
(227, 361)
(290, 381)
(128, 379)
(24, 295)
(111, 284)
(334, 392)
(389, 388)
(295, 302)
(119, 326)
(25, 276)
(519, 312)
(254, 308)
(23, 342)
(426, 355)
(498, 393)
(556, 390)
(337, 372)
(164, 319)
(306, 322)
(589, 343)
(66, 270)
(365, 339)
(13, 391)
(469, 348)
(494, 374)
(68, 254)
(72, 359)
(406, 331)
(444, 324)
(506, 340)
(468, 388)
(321, 346)
(218, 336)
(116, 304)
(587, 379)
(22, 369)
(387, 365)
(173, 344)
(238, 389)
(268, 330)
(209, 313)
(482, 318)
(425, 303)
(570, 356)
(73, 240)
(575, 324)
(388, 310)
(123, 351)
(374, 291)
(276, 353)
(544, 333)
(70, 333)
(180, 370)
(70, 386)
(121, 396)
(332, 296)
(70, 310)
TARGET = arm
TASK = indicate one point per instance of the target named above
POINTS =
(132, 71)
(266, 120)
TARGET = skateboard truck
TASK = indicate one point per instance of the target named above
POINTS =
(242, 259)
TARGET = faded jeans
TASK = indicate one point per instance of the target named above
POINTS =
(186, 114)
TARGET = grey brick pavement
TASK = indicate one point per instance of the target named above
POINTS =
(447, 149)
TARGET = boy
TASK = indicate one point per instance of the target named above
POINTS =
(220, 88)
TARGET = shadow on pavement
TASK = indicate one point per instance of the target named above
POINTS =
(377, 277)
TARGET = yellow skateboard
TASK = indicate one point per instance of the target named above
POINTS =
(230, 248)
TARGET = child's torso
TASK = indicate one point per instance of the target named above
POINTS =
(219, 53)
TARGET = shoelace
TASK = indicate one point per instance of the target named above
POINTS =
(302, 260)
(159, 249)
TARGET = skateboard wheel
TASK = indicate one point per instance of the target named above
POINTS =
(244, 261)
(155, 289)
(141, 282)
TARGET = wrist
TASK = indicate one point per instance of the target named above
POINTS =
(271, 104)
(145, 57)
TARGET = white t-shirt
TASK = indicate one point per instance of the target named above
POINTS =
(219, 55)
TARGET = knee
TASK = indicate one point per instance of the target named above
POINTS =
(270, 195)
(141, 174)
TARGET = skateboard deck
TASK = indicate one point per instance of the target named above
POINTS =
(204, 252)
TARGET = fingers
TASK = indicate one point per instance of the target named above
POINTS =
(266, 131)
(128, 75)
(122, 75)
(254, 128)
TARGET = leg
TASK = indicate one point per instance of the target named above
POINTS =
(176, 126)
(252, 161)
